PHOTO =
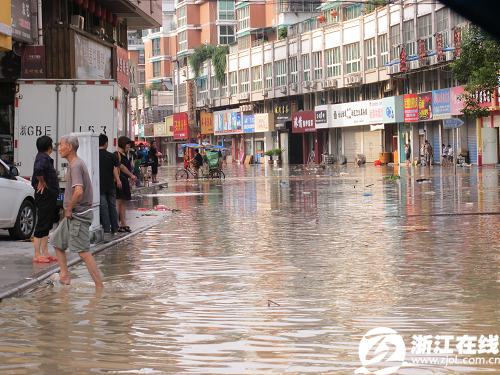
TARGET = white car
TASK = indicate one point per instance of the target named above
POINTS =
(17, 203)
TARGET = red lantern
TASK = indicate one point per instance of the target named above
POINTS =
(115, 20)
(98, 10)
(92, 6)
(321, 18)
(85, 4)
(334, 13)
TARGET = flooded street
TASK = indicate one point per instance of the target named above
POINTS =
(275, 270)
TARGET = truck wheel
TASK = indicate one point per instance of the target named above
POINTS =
(25, 222)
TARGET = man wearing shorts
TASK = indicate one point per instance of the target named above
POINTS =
(73, 232)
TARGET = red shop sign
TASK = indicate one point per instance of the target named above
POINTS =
(181, 126)
(403, 67)
(303, 122)
(410, 107)
(122, 68)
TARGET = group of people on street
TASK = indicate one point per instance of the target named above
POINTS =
(73, 231)
(427, 152)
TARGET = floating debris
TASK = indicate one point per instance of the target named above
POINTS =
(270, 302)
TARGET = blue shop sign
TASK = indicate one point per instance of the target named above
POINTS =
(249, 123)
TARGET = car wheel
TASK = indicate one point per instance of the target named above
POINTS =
(25, 222)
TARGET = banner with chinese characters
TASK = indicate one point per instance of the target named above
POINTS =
(181, 125)
(303, 122)
(207, 122)
(160, 129)
(263, 122)
(33, 62)
(249, 123)
(322, 116)
(122, 68)
(425, 106)
(456, 104)
(410, 107)
(92, 60)
(403, 67)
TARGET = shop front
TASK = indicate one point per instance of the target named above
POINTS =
(263, 135)
(304, 145)
(163, 135)
(207, 127)
(283, 123)
(228, 129)
(424, 119)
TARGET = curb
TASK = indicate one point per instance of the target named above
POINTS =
(99, 248)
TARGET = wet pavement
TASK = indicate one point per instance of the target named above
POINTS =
(275, 270)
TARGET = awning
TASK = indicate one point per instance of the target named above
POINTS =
(139, 14)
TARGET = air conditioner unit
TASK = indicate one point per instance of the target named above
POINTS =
(78, 21)
(414, 64)
(449, 56)
(307, 84)
(293, 87)
(433, 60)
(283, 90)
(330, 84)
(244, 96)
(265, 93)
(207, 102)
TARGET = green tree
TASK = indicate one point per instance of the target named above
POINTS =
(477, 68)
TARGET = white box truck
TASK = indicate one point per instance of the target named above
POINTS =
(60, 107)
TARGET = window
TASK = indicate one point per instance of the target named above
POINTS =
(332, 62)
(157, 69)
(395, 41)
(214, 86)
(244, 80)
(182, 41)
(292, 63)
(352, 11)
(382, 50)
(268, 75)
(233, 80)
(181, 17)
(142, 76)
(243, 18)
(351, 57)
(256, 78)
(317, 65)
(226, 34)
(141, 57)
(226, 9)
(202, 92)
(370, 54)
(409, 37)
(244, 42)
(443, 25)
(280, 72)
(424, 27)
(181, 93)
(306, 67)
(156, 47)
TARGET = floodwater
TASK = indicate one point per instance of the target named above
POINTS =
(276, 270)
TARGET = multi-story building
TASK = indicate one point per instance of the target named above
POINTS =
(355, 70)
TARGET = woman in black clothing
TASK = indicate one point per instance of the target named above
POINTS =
(124, 194)
(153, 160)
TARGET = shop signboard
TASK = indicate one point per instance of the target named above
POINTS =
(169, 126)
(181, 125)
(441, 104)
(21, 20)
(322, 116)
(425, 106)
(149, 130)
(160, 129)
(263, 122)
(33, 62)
(282, 114)
(410, 107)
(368, 112)
(249, 123)
(207, 122)
(228, 122)
(303, 122)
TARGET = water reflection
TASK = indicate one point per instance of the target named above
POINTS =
(338, 251)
